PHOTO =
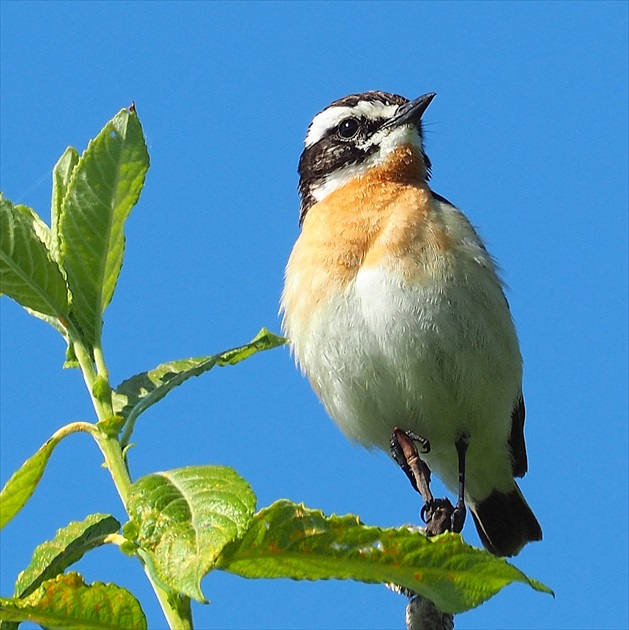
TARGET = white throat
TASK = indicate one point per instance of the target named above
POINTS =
(387, 141)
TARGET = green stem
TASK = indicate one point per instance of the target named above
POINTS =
(176, 608)
(99, 359)
(74, 427)
(114, 460)
(90, 375)
(103, 374)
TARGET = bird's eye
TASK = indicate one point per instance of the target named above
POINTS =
(348, 128)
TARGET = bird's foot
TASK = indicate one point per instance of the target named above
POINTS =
(441, 516)
(437, 514)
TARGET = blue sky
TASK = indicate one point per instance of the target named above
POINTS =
(527, 134)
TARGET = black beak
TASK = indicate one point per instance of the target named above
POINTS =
(411, 113)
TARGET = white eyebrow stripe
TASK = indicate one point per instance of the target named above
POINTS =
(332, 116)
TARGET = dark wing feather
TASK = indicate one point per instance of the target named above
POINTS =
(516, 440)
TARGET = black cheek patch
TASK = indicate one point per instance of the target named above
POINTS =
(321, 159)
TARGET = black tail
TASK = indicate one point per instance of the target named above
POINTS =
(505, 522)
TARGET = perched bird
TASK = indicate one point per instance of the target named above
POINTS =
(396, 313)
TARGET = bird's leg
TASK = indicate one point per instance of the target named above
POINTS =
(436, 513)
(405, 453)
(457, 519)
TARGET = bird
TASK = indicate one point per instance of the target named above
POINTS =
(396, 311)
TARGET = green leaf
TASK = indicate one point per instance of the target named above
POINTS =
(103, 187)
(28, 274)
(292, 541)
(19, 488)
(39, 226)
(69, 545)
(185, 517)
(67, 603)
(45, 235)
(60, 180)
(138, 393)
(264, 340)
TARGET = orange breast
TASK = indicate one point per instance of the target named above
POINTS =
(383, 217)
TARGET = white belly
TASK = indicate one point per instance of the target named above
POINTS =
(439, 358)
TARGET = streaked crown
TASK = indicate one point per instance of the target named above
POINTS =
(353, 134)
